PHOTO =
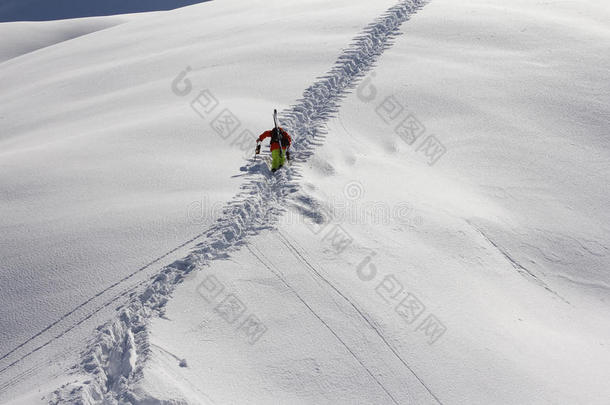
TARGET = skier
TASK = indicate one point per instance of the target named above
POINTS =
(279, 155)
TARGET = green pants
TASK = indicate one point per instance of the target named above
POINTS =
(277, 158)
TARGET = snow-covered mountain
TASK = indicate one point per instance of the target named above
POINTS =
(440, 235)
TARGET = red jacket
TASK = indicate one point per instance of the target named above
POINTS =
(286, 139)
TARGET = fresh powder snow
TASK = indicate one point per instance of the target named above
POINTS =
(440, 235)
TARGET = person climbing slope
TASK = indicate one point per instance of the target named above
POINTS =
(279, 146)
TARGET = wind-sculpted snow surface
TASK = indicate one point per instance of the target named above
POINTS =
(116, 357)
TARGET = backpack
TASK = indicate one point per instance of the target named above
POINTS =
(275, 137)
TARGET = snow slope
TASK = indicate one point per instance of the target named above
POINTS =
(509, 256)
(501, 246)
(20, 38)
(78, 234)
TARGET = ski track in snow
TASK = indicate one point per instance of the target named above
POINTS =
(115, 359)
(299, 254)
(528, 274)
(268, 264)
(77, 316)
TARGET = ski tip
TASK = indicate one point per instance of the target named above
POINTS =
(274, 111)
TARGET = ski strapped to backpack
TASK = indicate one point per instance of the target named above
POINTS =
(277, 129)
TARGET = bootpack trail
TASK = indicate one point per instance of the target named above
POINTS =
(257, 206)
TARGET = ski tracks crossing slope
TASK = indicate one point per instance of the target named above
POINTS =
(299, 252)
(269, 265)
(115, 359)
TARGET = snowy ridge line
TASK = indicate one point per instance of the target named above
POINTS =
(370, 323)
(527, 274)
(278, 274)
(115, 360)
